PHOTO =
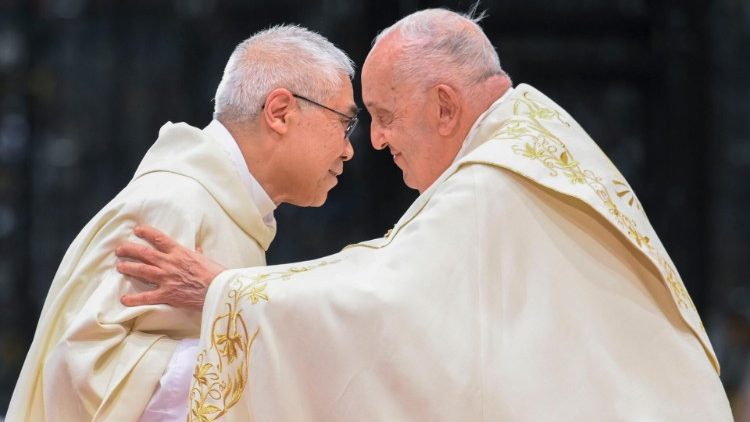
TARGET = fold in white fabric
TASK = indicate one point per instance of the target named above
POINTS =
(169, 404)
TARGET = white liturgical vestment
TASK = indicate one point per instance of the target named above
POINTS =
(93, 359)
(526, 284)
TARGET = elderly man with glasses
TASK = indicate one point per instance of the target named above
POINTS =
(92, 357)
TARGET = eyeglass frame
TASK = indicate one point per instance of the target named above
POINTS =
(351, 121)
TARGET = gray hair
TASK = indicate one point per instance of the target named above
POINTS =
(439, 44)
(283, 56)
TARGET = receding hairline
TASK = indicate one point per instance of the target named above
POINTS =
(455, 40)
(469, 19)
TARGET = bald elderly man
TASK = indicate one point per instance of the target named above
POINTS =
(284, 112)
(525, 283)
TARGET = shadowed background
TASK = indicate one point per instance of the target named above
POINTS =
(663, 86)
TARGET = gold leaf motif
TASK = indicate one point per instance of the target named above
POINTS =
(623, 190)
(221, 373)
(228, 345)
(577, 177)
(258, 293)
(545, 113)
(201, 373)
(517, 131)
(207, 409)
(535, 141)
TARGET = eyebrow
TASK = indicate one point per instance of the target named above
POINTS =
(353, 109)
(376, 107)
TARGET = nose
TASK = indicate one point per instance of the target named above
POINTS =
(348, 151)
(377, 138)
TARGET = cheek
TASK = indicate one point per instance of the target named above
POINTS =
(323, 158)
(401, 139)
(426, 158)
(415, 147)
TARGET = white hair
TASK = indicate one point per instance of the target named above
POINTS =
(283, 56)
(439, 44)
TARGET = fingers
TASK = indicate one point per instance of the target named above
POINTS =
(143, 272)
(140, 252)
(152, 297)
(161, 241)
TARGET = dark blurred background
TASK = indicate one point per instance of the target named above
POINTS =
(662, 85)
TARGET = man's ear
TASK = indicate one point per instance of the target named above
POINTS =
(449, 108)
(277, 110)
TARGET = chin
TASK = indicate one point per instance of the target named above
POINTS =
(318, 202)
(410, 183)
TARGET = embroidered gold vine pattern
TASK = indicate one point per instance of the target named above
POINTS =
(623, 191)
(221, 373)
(542, 145)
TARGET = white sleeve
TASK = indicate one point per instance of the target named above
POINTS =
(170, 400)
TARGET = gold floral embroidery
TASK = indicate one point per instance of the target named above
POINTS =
(538, 143)
(623, 190)
(222, 370)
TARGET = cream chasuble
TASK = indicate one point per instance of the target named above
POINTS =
(93, 358)
(526, 284)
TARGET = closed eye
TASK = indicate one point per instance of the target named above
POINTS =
(384, 118)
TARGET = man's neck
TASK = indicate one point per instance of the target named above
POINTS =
(478, 100)
(481, 98)
(257, 155)
(485, 94)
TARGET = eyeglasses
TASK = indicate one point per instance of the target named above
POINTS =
(351, 122)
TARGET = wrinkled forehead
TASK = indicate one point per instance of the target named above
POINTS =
(380, 83)
(383, 55)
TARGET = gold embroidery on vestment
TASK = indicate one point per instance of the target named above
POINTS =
(221, 373)
(540, 144)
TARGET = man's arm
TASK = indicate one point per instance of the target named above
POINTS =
(90, 351)
(182, 276)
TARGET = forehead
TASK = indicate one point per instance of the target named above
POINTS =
(379, 81)
(380, 87)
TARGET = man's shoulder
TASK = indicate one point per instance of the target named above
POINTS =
(169, 201)
(167, 189)
(486, 179)
(480, 171)
(475, 180)
(179, 129)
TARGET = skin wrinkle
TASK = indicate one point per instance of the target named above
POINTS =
(407, 120)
